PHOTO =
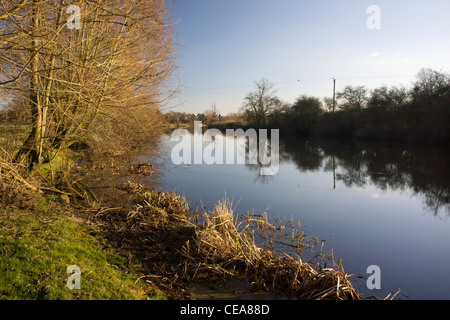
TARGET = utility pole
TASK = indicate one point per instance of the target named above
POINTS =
(334, 104)
(334, 174)
(334, 93)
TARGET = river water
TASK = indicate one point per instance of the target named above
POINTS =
(370, 203)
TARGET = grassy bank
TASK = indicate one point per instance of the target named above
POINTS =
(41, 235)
(37, 246)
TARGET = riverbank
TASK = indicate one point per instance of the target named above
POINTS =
(38, 244)
(178, 248)
(150, 248)
(148, 244)
(42, 237)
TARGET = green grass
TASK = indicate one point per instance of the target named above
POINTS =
(58, 166)
(37, 248)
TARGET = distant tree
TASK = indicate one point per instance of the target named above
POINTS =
(279, 114)
(201, 117)
(380, 98)
(211, 115)
(385, 98)
(353, 98)
(305, 113)
(176, 117)
(306, 104)
(260, 103)
(214, 112)
(399, 95)
(431, 84)
(328, 104)
(233, 116)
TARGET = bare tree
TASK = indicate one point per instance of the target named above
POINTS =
(211, 115)
(102, 83)
(431, 84)
(259, 103)
(328, 103)
(353, 98)
(386, 98)
(399, 95)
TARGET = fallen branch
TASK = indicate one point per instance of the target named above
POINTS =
(12, 172)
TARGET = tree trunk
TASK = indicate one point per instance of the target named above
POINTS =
(32, 147)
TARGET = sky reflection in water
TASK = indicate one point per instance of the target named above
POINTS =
(382, 204)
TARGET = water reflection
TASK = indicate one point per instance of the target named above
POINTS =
(362, 200)
(422, 171)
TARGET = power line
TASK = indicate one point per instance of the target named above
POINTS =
(251, 85)
(221, 88)
(298, 80)
(378, 77)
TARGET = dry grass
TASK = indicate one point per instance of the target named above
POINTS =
(150, 231)
(225, 245)
(176, 248)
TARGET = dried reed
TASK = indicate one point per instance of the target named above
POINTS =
(218, 243)
(228, 246)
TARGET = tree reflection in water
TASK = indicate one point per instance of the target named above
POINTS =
(422, 170)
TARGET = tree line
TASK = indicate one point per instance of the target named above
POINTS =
(417, 114)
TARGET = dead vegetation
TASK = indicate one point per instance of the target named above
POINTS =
(17, 188)
(10, 172)
(142, 169)
(225, 245)
(174, 249)
(151, 234)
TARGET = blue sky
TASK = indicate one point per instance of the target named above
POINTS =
(226, 45)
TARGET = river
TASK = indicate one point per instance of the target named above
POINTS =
(371, 203)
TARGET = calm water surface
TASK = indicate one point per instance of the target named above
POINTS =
(371, 203)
